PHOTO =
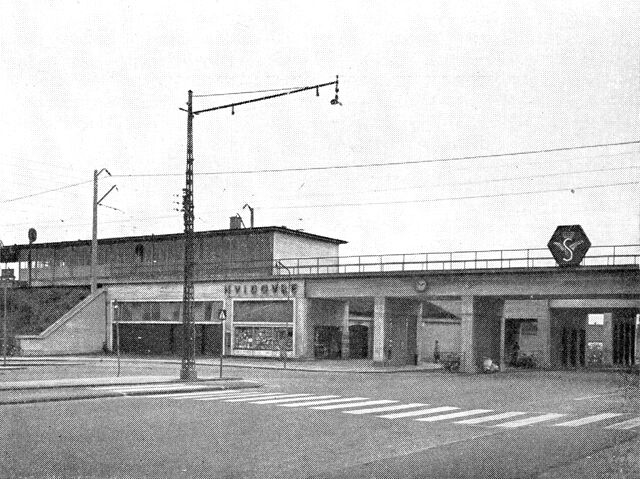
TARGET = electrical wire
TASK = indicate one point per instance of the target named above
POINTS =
(451, 198)
(370, 203)
(246, 92)
(46, 191)
(383, 164)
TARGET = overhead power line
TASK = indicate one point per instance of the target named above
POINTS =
(246, 92)
(144, 218)
(46, 191)
(453, 198)
(391, 163)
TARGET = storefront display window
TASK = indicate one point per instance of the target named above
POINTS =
(263, 311)
(166, 311)
(263, 338)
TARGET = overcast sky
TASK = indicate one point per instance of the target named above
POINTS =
(91, 85)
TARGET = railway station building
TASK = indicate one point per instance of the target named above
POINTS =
(263, 291)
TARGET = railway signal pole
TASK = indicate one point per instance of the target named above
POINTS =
(188, 368)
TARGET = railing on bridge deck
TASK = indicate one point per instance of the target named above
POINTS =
(454, 260)
(438, 261)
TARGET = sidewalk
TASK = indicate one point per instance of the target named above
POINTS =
(322, 365)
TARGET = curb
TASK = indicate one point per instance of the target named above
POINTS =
(116, 394)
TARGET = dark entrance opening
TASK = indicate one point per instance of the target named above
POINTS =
(161, 339)
(328, 342)
(358, 341)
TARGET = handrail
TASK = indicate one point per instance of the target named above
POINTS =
(613, 255)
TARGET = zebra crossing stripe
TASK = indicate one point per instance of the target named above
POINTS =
(324, 401)
(630, 424)
(164, 387)
(272, 396)
(419, 412)
(357, 404)
(454, 415)
(386, 408)
(243, 395)
(194, 394)
(589, 419)
(279, 401)
(530, 420)
(495, 417)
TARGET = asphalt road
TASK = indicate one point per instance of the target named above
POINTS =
(189, 437)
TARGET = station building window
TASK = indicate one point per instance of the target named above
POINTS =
(263, 325)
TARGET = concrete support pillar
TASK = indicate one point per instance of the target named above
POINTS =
(467, 346)
(345, 331)
(607, 340)
(303, 332)
(379, 329)
(503, 362)
(544, 330)
(636, 354)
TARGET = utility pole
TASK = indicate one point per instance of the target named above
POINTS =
(188, 369)
(94, 236)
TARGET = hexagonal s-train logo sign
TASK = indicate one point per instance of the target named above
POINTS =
(569, 245)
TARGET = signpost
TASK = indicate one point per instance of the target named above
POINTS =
(222, 316)
(116, 312)
(7, 280)
(569, 245)
(33, 236)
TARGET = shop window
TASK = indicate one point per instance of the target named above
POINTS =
(139, 251)
(263, 338)
(263, 311)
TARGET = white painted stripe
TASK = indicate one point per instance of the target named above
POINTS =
(530, 420)
(386, 408)
(279, 401)
(358, 404)
(150, 386)
(146, 388)
(273, 396)
(181, 395)
(630, 424)
(495, 417)
(324, 401)
(252, 396)
(589, 419)
(420, 412)
(453, 415)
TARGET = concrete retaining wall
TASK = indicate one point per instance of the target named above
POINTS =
(81, 330)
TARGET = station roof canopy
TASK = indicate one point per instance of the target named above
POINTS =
(177, 236)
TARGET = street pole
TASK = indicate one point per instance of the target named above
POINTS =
(116, 308)
(4, 325)
(94, 235)
(188, 369)
(283, 342)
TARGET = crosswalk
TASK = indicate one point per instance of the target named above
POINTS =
(389, 409)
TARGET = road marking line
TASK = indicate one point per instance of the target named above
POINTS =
(495, 417)
(589, 419)
(194, 394)
(278, 401)
(530, 420)
(358, 404)
(385, 408)
(325, 401)
(599, 395)
(149, 388)
(419, 412)
(272, 396)
(454, 415)
(245, 395)
(630, 424)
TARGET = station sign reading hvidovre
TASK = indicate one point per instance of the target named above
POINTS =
(569, 245)
(273, 289)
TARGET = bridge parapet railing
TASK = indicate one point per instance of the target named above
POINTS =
(457, 260)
